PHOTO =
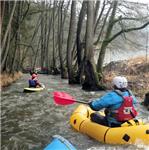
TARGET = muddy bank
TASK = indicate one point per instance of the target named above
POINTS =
(136, 70)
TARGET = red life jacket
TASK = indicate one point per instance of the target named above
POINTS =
(126, 111)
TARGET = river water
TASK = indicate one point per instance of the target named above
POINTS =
(29, 120)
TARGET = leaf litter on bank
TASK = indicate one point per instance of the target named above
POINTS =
(136, 70)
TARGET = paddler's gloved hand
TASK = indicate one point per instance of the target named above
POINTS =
(90, 104)
(106, 111)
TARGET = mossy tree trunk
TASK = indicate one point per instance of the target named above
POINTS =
(91, 80)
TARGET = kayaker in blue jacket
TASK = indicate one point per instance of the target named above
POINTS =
(118, 104)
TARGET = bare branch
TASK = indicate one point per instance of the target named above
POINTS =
(127, 30)
(8, 26)
(130, 18)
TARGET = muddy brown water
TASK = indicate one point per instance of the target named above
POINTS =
(29, 120)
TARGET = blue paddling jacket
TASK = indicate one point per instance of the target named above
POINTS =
(111, 101)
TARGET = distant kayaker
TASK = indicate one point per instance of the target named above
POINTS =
(33, 82)
(118, 104)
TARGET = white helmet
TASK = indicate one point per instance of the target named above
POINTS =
(120, 82)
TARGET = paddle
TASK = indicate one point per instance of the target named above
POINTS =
(63, 98)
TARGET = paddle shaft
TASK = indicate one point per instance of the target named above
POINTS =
(82, 102)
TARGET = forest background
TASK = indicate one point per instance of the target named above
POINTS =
(73, 39)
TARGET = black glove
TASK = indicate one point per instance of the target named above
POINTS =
(106, 111)
(90, 103)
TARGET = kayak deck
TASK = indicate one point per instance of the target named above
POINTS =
(59, 143)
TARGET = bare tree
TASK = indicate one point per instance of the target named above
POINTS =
(80, 43)
(70, 42)
(91, 81)
(54, 68)
(8, 26)
(61, 22)
(109, 37)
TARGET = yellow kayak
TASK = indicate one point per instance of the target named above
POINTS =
(126, 134)
(33, 89)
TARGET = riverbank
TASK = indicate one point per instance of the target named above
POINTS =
(6, 79)
(136, 70)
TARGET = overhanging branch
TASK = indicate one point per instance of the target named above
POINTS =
(129, 18)
(126, 30)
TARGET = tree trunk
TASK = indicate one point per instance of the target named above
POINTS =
(102, 27)
(70, 42)
(2, 6)
(15, 62)
(36, 53)
(100, 15)
(97, 6)
(48, 41)
(42, 34)
(105, 41)
(79, 42)
(8, 26)
(4, 58)
(91, 81)
(60, 37)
